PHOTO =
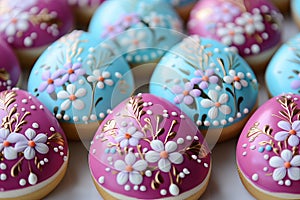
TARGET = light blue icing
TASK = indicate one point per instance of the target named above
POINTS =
(85, 90)
(283, 72)
(228, 87)
(295, 6)
(150, 26)
(179, 3)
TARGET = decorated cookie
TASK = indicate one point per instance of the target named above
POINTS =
(267, 152)
(148, 149)
(33, 148)
(83, 10)
(29, 26)
(251, 27)
(9, 67)
(209, 82)
(183, 7)
(76, 78)
(139, 30)
(295, 8)
(283, 72)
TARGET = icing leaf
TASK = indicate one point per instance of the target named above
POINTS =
(267, 129)
(109, 125)
(158, 178)
(57, 138)
(16, 168)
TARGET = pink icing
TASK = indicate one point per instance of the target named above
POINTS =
(39, 120)
(103, 159)
(9, 67)
(251, 26)
(34, 23)
(256, 158)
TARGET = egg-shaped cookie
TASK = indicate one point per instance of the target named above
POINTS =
(141, 30)
(252, 27)
(214, 86)
(76, 78)
(30, 26)
(9, 67)
(267, 152)
(33, 148)
(147, 148)
(182, 7)
(283, 72)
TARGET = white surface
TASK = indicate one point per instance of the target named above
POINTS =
(224, 184)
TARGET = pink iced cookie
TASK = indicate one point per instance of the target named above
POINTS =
(30, 26)
(33, 148)
(252, 27)
(9, 67)
(148, 149)
(267, 152)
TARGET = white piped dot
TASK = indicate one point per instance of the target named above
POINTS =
(238, 115)
(136, 187)
(149, 112)
(32, 107)
(52, 129)
(107, 169)
(246, 110)
(180, 141)
(244, 146)
(181, 175)
(22, 182)
(186, 171)
(216, 123)
(265, 169)
(194, 157)
(101, 179)
(253, 147)
(205, 165)
(255, 177)
(55, 149)
(288, 183)
(182, 116)
(266, 157)
(3, 166)
(196, 137)
(24, 101)
(143, 188)
(199, 123)
(163, 192)
(174, 113)
(127, 187)
(3, 177)
(206, 123)
(280, 182)
(189, 137)
(35, 125)
(244, 153)
(230, 119)
(148, 173)
(46, 160)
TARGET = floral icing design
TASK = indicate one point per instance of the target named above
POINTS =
(236, 24)
(210, 82)
(283, 145)
(74, 79)
(25, 148)
(17, 20)
(134, 163)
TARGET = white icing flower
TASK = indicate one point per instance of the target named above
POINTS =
(238, 79)
(131, 136)
(155, 20)
(286, 164)
(291, 133)
(102, 79)
(130, 169)
(6, 139)
(14, 21)
(231, 34)
(32, 142)
(72, 97)
(252, 23)
(216, 104)
(134, 40)
(165, 155)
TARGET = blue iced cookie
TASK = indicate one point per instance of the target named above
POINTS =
(283, 72)
(295, 8)
(210, 83)
(141, 30)
(80, 80)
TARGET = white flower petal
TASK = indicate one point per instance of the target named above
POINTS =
(108, 82)
(281, 136)
(157, 145)
(65, 105)
(40, 138)
(124, 143)
(284, 125)
(152, 156)
(206, 103)
(71, 88)
(223, 98)
(295, 162)
(296, 125)
(122, 178)
(97, 73)
(10, 153)
(164, 165)
(29, 153)
(239, 39)
(120, 165)
(80, 92)
(63, 95)
(91, 78)
(293, 140)
(30, 133)
(244, 83)
(228, 79)
(41, 148)
(237, 85)
(276, 162)
(140, 165)
(100, 85)
(131, 130)
(105, 74)
(213, 95)
(213, 112)
(279, 174)
(225, 109)
(135, 178)
(78, 104)
(138, 135)
(286, 155)
(294, 173)
(176, 158)
(171, 146)
(130, 159)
